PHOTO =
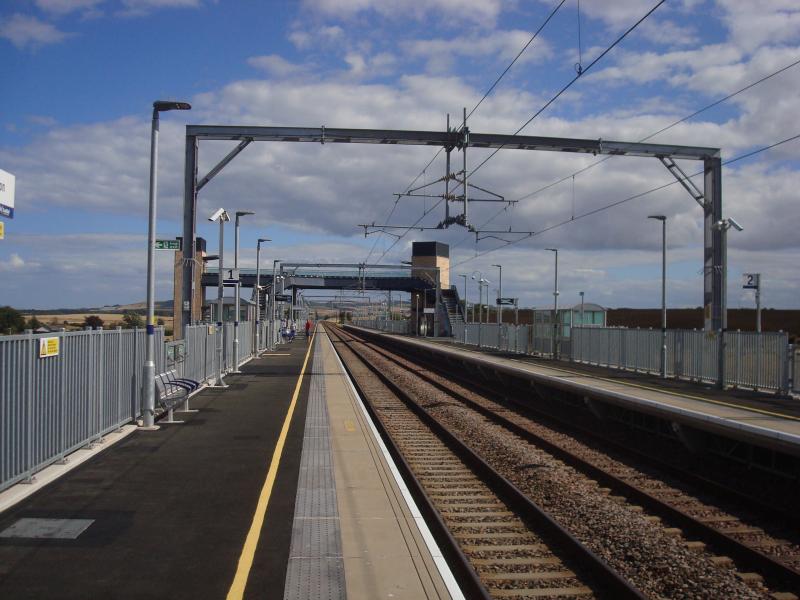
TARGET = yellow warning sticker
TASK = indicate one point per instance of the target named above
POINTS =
(48, 347)
(2, 230)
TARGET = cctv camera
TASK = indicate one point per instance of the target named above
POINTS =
(734, 224)
(217, 214)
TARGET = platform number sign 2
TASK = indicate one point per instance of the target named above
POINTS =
(751, 281)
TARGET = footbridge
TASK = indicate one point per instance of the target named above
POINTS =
(338, 276)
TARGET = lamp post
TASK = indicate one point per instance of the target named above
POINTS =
(555, 306)
(149, 367)
(663, 220)
(222, 216)
(723, 225)
(258, 293)
(480, 296)
(581, 294)
(239, 213)
(272, 305)
(465, 305)
(499, 295)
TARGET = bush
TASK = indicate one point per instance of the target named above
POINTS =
(11, 320)
(34, 323)
(93, 321)
(130, 320)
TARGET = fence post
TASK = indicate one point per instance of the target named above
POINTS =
(135, 395)
(100, 361)
(739, 360)
(789, 375)
(93, 390)
(62, 373)
(29, 407)
(119, 379)
(759, 357)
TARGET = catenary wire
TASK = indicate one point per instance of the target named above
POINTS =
(644, 139)
(570, 83)
(474, 108)
(626, 199)
(663, 129)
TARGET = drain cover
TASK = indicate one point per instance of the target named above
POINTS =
(50, 529)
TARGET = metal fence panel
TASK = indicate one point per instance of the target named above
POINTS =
(52, 405)
(757, 360)
(753, 360)
(522, 337)
(542, 339)
(693, 355)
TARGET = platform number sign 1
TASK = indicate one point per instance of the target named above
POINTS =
(751, 281)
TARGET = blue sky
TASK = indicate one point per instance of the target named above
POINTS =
(80, 77)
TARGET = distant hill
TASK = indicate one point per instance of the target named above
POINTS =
(163, 307)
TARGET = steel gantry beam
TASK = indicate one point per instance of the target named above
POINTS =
(712, 192)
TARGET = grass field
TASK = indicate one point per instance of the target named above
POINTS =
(75, 320)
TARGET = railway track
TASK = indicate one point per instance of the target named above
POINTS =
(504, 546)
(744, 552)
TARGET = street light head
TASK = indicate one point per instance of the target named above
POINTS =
(658, 217)
(241, 213)
(264, 240)
(498, 266)
(219, 214)
(164, 105)
(734, 224)
(552, 249)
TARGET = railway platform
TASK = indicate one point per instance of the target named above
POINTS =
(278, 486)
(758, 419)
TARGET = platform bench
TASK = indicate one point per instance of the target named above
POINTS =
(173, 390)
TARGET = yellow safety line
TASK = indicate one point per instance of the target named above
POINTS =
(236, 590)
(652, 389)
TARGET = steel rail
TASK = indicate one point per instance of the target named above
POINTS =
(602, 574)
(777, 573)
(703, 483)
(467, 577)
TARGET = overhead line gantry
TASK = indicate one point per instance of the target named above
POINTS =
(710, 196)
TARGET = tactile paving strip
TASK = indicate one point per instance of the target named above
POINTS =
(316, 566)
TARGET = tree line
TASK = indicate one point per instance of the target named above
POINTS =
(13, 321)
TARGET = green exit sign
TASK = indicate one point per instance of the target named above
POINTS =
(168, 244)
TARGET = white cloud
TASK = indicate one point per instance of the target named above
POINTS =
(481, 12)
(753, 24)
(362, 66)
(42, 120)
(276, 65)
(14, 263)
(142, 7)
(505, 45)
(324, 34)
(669, 33)
(62, 7)
(29, 32)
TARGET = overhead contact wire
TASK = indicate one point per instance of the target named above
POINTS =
(474, 108)
(627, 199)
